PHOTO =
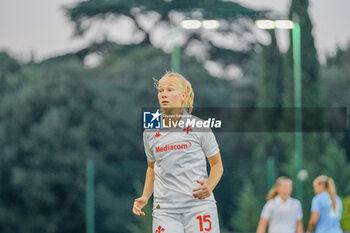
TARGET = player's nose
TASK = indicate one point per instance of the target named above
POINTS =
(164, 96)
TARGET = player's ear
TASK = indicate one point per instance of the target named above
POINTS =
(184, 95)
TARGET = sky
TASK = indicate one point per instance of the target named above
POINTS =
(41, 29)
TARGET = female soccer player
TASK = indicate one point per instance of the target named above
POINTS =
(183, 201)
(326, 207)
(282, 213)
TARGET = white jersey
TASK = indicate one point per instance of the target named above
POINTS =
(180, 160)
(282, 216)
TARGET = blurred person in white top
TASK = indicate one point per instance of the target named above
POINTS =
(281, 213)
(177, 171)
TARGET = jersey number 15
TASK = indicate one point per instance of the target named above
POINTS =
(204, 218)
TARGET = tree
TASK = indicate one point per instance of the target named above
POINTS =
(247, 216)
(149, 17)
(311, 95)
(8, 67)
(270, 79)
(335, 84)
(270, 96)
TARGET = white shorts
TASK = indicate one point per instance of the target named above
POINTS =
(196, 220)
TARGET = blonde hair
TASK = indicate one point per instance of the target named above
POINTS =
(273, 191)
(329, 184)
(185, 85)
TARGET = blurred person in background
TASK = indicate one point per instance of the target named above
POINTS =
(183, 200)
(281, 213)
(326, 207)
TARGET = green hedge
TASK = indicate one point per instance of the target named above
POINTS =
(345, 219)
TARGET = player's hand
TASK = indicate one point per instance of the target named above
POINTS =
(139, 203)
(203, 191)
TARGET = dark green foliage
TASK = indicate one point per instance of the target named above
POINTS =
(148, 17)
(345, 223)
(335, 84)
(211, 9)
(311, 95)
(248, 212)
(8, 67)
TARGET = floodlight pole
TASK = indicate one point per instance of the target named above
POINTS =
(271, 172)
(298, 134)
(90, 197)
(296, 40)
(176, 59)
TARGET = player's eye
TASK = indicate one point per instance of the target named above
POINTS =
(160, 90)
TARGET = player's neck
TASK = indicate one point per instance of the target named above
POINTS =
(283, 197)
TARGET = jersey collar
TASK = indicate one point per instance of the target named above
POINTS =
(279, 199)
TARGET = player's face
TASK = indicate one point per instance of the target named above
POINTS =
(285, 188)
(170, 93)
(318, 187)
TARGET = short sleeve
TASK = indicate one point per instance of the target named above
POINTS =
(299, 211)
(209, 144)
(148, 150)
(315, 204)
(267, 211)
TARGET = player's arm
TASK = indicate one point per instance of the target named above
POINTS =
(262, 225)
(313, 220)
(216, 171)
(149, 181)
(300, 226)
(140, 202)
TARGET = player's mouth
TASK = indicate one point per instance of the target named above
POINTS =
(165, 102)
